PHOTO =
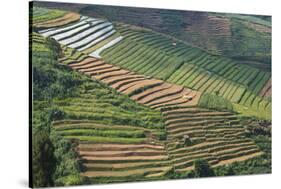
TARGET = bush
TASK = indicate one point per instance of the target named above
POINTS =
(51, 80)
(202, 169)
(67, 168)
(70, 180)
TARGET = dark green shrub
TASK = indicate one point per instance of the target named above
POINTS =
(43, 159)
(202, 169)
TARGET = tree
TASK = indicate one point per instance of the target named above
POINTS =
(229, 171)
(202, 169)
(43, 160)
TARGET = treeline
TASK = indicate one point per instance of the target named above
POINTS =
(50, 79)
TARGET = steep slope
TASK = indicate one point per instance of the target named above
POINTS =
(153, 54)
(231, 35)
(115, 138)
(115, 146)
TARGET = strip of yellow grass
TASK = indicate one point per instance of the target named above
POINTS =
(238, 159)
(140, 172)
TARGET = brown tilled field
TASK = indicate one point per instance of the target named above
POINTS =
(267, 91)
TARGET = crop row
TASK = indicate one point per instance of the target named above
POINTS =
(88, 35)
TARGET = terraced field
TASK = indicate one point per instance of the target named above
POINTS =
(44, 18)
(87, 35)
(189, 67)
(116, 151)
(116, 138)
(230, 35)
(152, 54)
(192, 132)
(195, 133)
(166, 130)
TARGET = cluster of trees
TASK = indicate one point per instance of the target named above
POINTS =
(50, 79)
(43, 159)
(53, 160)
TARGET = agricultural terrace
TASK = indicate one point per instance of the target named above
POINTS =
(144, 105)
(45, 18)
(152, 54)
(229, 35)
(129, 137)
(193, 132)
(160, 56)
(156, 55)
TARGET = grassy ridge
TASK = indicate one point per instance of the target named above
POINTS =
(96, 102)
(42, 14)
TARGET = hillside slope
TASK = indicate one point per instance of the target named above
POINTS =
(192, 132)
(114, 137)
(230, 35)
(154, 54)
(136, 104)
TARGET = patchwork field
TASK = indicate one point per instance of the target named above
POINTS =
(192, 132)
(230, 35)
(152, 54)
(148, 105)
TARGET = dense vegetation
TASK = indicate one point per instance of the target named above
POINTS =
(216, 102)
(43, 160)
(50, 80)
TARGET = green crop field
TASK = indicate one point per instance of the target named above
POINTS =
(156, 56)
